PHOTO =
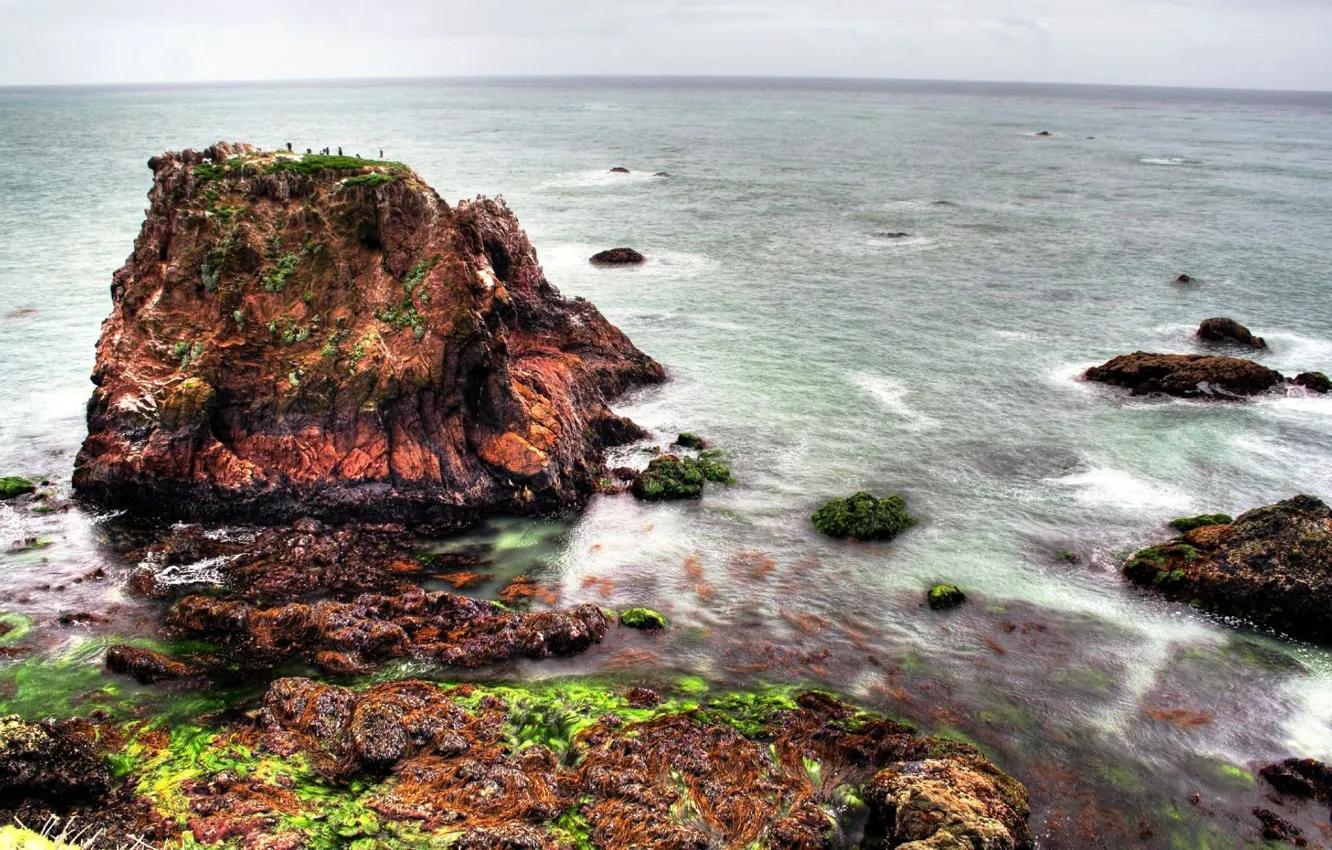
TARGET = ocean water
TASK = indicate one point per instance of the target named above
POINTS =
(826, 359)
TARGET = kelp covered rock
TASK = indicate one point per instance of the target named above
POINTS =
(863, 517)
(587, 765)
(48, 764)
(325, 336)
(943, 596)
(347, 637)
(642, 618)
(1272, 565)
(13, 486)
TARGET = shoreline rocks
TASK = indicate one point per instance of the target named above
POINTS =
(325, 336)
(617, 257)
(1272, 565)
(570, 763)
(1228, 330)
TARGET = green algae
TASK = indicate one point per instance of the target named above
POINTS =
(670, 478)
(642, 618)
(19, 838)
(863, 517)
(1189, 523)
(13, 486)
(14, 628)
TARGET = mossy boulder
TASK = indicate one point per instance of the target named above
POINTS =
(1188, 523)
(1272, 565)
(13, 486)
(644, 619)
(690, 440)
(669, 478)
(943, 596)
(863, 517)
(48, 764)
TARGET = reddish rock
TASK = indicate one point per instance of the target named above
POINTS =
(347, 637)
(328, 337)
(1186, 375)
(147, 666)
(1228, 330)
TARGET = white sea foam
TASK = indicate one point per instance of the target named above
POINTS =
(1167, 160)
(891, 394)
(1115, 487)
(600, 179)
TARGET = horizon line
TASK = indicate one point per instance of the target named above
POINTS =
(515, 78)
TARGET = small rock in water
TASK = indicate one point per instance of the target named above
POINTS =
(618, 257)
(891, 234)
(943, 596)
(1186, 375)
(1228, 330)
(618, 170)
(1315, 381)
(661, 174)
(644, 619)
(1043, 133)
(1183, 279)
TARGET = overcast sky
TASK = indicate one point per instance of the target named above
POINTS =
(1227, 43)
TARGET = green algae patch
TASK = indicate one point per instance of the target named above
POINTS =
(14, 628)
(642, 618)
(18, 838)
(671, 478)
(1186, 524)
(863, 517)
(943, 596)
(13, 486)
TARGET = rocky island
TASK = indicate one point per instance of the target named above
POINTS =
(325, 336)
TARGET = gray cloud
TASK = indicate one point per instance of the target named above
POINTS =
(1276, 44)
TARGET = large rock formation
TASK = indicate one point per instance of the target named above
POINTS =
(326, 336)
(1272, 565)
(1186, 375)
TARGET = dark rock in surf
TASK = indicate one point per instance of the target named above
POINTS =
(1228, 330)
(619, 170)
(1186, 375)
(1183, 279)
(1042, 133)
(891, 234)
(1315, 382)
(661, 174)
(1272, 565)
(618, 257)
(1304, 778)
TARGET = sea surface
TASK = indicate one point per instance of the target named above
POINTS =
(826, 357)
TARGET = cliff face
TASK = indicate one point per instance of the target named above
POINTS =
(325, 336)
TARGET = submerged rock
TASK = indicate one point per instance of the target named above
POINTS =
(962, 803)
(1186, 375)
(1188, 523)
(863, 517)
(48, 764)
(618, 257)
(1228, 330)
(325, 336)
(689, 440)
(1183, 279)
(347, 637)
(1272, 565)
(619, 170)
(148, 666)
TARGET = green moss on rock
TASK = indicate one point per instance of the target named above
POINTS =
(14, 486)
(863, 517)
(669, 478)
(690, 440)
(642, 618)
(1189, 523)
(943, 596)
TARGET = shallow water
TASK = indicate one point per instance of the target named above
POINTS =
(825, 359)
